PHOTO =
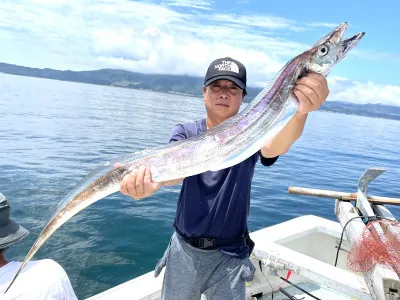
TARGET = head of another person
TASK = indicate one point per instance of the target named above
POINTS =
(10, 231)
(224, 88)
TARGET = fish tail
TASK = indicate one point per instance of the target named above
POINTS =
(71, 206)
(12, 281)
(30, 254)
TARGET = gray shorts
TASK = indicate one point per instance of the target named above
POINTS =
(191, 272)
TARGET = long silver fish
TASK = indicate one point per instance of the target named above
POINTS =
(220, 147)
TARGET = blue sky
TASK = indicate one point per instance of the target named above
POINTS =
(184, 36)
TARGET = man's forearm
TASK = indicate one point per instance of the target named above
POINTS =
(281, 143)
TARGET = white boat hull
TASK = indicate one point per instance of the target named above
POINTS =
(306, 245)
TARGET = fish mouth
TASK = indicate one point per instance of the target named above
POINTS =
(347, 44)
(337, 33)
(336, 38)
(350, 43)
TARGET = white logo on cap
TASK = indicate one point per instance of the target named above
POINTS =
(227, 65)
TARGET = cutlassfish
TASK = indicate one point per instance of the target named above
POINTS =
(222, 146)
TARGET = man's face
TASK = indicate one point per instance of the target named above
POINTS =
(222, 99)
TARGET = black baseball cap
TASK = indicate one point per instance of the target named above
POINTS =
(226, 68)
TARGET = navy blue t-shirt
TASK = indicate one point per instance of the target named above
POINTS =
(216, 204)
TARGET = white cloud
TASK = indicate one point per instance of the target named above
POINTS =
(343, 89)
(322, 24)
(50, 2)
(150, 38)
(261, 21)
(197, 4)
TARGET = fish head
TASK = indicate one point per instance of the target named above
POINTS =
(331, 49)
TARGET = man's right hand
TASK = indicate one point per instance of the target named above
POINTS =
(138, 184)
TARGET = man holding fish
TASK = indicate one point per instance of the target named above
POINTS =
(215, 158)
(208, 253)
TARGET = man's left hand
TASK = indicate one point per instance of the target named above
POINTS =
(311, 91)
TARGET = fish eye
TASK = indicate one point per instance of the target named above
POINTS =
(323, 50)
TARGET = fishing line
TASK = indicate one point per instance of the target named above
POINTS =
(272, 290)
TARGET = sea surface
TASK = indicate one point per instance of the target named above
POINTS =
(52, 133)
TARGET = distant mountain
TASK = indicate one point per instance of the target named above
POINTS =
(179, 84)
(368, 110)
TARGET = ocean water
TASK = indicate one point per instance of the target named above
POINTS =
(52, 133)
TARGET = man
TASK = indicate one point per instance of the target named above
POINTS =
(41, 279)
(208, 253)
